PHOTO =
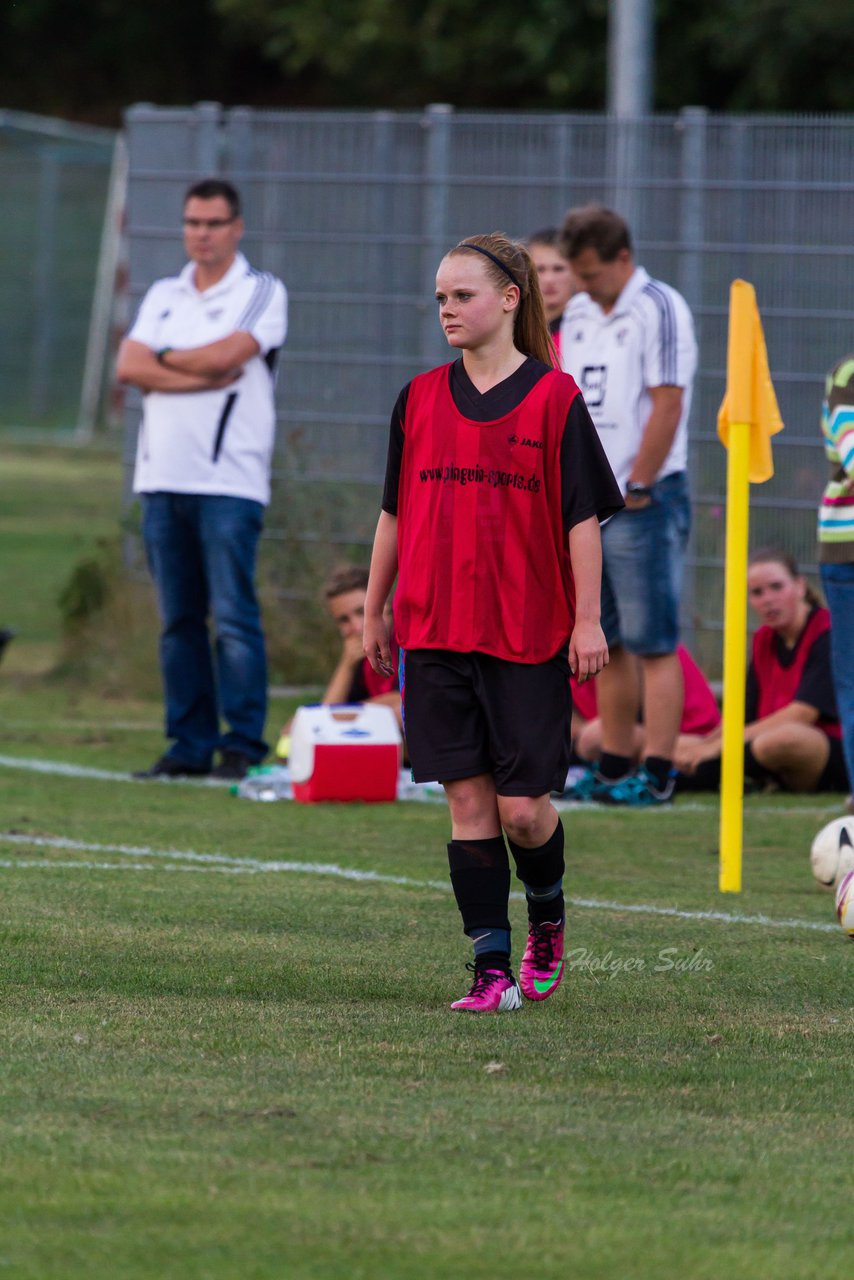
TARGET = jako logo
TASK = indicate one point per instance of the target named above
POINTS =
(530, 444)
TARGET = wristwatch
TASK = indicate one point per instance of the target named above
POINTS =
(634, 489)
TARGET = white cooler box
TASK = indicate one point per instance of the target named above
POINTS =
(345, 753)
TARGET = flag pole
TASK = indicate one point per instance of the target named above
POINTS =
(735, 658)
(748, 417)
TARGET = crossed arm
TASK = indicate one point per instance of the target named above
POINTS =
(206, 368)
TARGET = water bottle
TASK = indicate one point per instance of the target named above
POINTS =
(265, 782)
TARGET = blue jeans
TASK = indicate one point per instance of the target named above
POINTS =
(643, 556)
(837, 581)
(201, 551)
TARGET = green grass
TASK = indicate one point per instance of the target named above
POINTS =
(211, 1074)
(60, 511)
(55, 506)
(211, 1069)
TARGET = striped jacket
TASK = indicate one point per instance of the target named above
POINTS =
(836, 513)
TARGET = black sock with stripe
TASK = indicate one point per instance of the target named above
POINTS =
(480, 877)
(541, 872)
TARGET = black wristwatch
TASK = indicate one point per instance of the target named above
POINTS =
(636, 490)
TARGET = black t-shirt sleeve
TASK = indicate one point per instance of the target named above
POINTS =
(816, 683)
(751, 695)
(588, 487)
(394, 456)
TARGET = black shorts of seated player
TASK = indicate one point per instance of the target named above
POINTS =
(707, 775)
(471, 713)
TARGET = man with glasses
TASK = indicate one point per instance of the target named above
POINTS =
(202, 351)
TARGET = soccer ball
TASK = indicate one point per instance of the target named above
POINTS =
(845, 904)
(832, 852)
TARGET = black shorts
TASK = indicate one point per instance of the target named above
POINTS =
(834, 776)
(469, 713)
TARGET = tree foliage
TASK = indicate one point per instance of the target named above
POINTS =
(92, 58)
(89, 59)
(404, 53)
(758, 55)
(787, 55)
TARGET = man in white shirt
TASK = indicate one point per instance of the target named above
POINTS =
(202, 350)
(628, 341)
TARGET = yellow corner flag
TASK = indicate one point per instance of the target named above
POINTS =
(748, 417)
(750, 396)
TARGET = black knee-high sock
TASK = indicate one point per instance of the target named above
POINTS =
(541, 872)
(480, 876)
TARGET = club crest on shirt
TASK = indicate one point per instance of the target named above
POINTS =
(214, 315)
(593, 379)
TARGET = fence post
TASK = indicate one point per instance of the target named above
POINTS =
(237, 162)
(437, 123)
(207, 149)
(692, 123)
(563, 139)
(383, 259)
(44, 272)
(101, 323)
(627, 147)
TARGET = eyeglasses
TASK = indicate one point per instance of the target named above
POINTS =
(207, 224)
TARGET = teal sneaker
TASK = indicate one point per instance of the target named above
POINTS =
(638, 791)
(588, 789)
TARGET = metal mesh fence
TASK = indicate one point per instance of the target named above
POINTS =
(55, 179)
(355, 209)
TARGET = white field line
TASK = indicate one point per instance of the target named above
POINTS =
(61, 769)
(83, 725)
(190, 860)
(691, 806)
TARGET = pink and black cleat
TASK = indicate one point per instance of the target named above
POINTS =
(542, 964)
(493, 991)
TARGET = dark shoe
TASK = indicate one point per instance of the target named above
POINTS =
(6, 634)
(169, 767)
(589, 788)
(233, 765)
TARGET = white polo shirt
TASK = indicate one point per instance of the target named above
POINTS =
(646, 340)
(211, 442)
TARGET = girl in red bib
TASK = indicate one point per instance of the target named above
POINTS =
(792, 734)
(495, 486)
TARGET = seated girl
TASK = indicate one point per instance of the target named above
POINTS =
(792, 734)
